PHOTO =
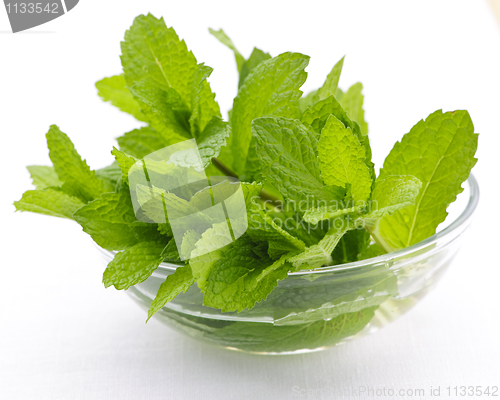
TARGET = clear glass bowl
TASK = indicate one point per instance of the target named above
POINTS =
(313, 310)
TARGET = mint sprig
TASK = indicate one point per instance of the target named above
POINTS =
(310, 189)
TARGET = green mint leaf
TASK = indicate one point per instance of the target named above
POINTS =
(308, 100)
(107, 219)
(331, 83)
(110, 174)
(439, 151)
(317, 115)
(70, 168)
(271, 88)
(262, 228)
(352, 102)
(288, 160)
(321, 254)
(203, 104)
(390, 194)
(350, 246)
(208, 249)
(151, 50)
(180, 281)
(255, 59)
(133, 265)
(287, 142)
(324, 212)
(165, 110)
(240, 279)
(114, 89)
(125, 162)
(145, 231)
(225, 40)
(165, 229)
(44, 176)
(213, 139)
(154, 207)
(49, 201)
(141, 142)
(171, 253)
(373, 250)
(393, 193)
(341, 159)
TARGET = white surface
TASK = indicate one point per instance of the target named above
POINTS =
(62, 336)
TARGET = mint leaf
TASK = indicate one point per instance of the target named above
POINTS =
(308, 100)
(141, 142)
(165, 110)
(44, 176)
(114, 89)
(390, 194)
(224, 39)
(262, 228)
(180, 281)
(49, 201)
(145, 231)
(125, 162)
(350, 246)
(133, 265)
(271, 88)
(213, 139)
(208, 249)
(331, 83)
(317, 115)
(255, 59)
(321, 254)
(166, 229)
(393, 193)
(170, 252)
(110, 174)
(203, 104)
(287, 151)
(341, 159)
(439, 151)
(151, 50)
(107, 219)
(373, 250)
(352, 102)
(79, 180)
(317, 214)
(240, 279)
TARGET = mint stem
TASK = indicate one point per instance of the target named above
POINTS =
(380, 241)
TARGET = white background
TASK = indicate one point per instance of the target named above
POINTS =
(62, 336)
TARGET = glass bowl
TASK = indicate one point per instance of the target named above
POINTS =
(313, 310)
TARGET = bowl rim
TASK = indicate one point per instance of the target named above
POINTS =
(460, 221)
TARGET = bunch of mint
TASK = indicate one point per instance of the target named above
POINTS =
(304, 162)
